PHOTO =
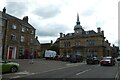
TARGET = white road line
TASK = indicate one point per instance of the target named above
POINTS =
(15, 77)
(83, 72)
(49, 70)
(24, 72)
(117, 76)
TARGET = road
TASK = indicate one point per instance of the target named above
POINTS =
(57, 69)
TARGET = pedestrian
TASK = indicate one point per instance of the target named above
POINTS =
(31, 57)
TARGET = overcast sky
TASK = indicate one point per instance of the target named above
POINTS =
(50, 17)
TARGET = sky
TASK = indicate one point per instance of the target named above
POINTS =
(50, 17)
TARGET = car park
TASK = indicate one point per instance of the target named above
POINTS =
(92, 60)
(107, 61)
(8, 66)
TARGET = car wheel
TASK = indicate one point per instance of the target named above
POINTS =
(101, 64)
(13, 69)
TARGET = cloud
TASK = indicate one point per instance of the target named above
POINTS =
(51, 30)
(16, 8)
(47, 11)
(88, 12)
(100, 23)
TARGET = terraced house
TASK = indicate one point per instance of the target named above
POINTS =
(86, 43)
(18, 37)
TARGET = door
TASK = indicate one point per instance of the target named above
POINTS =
(10, 54)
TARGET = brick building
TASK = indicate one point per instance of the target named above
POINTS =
(18, 37)
(86, 43)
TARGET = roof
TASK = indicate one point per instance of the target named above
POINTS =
(77, 27)
(85, 34)
(7, 16)
(37, 42)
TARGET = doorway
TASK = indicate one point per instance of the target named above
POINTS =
(11, 52)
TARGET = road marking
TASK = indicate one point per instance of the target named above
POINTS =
(15, 77)
(24, 72)
(49, 70)
(83, 72)
(74, 64)
(116, 76)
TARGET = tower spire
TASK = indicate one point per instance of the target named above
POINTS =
(77, 17)
(78, 22)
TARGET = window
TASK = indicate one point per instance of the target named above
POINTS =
(87, 32)
(67, 44)
(93, 42)
(3, 22)
(27, 29)
(31, 40)
(23, 29)
(21, 50)
(90, 42)
(13, 37)
(13, 26)
(32, 32)
(22, 38)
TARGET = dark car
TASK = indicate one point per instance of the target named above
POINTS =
(65, 58)
(92, 60)
(76, 58)
(118, 58)
(107, 61)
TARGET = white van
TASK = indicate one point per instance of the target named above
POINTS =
(49, 54)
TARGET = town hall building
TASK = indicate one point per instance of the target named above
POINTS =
(85, 43)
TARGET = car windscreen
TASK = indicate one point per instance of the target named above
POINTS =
(106, 58)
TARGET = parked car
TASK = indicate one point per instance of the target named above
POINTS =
(76, 58)
(118, 58)
(92, 60)
(65, 58)
(9, 66)
(107, 61)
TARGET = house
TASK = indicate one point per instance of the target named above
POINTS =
(18, 37)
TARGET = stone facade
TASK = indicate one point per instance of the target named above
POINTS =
(86, 43)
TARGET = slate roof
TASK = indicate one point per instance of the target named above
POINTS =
(7, 16)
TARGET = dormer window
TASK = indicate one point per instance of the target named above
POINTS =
(87, 32)
(13, 26)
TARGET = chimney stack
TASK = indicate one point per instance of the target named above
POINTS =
(51, 41)
(61, 35)
(99, 29)
(4, 10)
(102, 32)
(25, 19)
(36, 38)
